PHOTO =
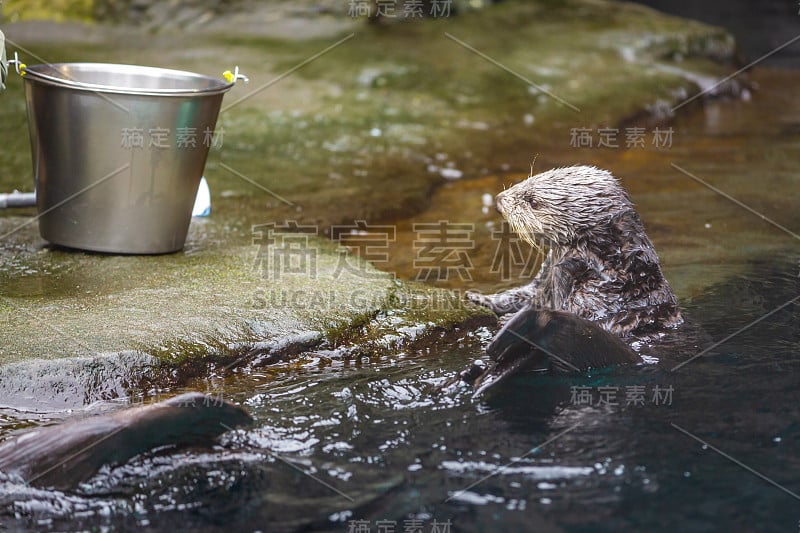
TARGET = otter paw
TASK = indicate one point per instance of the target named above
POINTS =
(478, 298)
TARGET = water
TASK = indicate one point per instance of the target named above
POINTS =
(338, 440)
(759, 27)
(372, 432)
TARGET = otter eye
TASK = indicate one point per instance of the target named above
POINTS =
(532, 201)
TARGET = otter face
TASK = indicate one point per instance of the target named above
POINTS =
(563, 204)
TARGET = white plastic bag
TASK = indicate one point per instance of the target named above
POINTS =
(202, 202)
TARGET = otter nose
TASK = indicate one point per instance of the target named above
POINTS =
(498, 202)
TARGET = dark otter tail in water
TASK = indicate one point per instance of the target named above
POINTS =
(65, 455)
(540, 339)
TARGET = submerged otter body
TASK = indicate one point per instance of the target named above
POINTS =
(601, 265)
(65, 455)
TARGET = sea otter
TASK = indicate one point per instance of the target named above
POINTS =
(601, 266)
(62, 456)
(601, 274)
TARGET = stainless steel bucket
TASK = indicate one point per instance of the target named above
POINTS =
(118, 152)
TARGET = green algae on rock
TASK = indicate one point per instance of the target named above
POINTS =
(208, 308)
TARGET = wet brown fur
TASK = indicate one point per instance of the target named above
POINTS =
(600, 266)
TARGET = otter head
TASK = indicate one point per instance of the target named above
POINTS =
(563, 205)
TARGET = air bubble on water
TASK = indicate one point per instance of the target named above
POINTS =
(340, 516)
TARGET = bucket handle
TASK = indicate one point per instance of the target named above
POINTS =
(19, 66)
(230, 77)
(233, 77)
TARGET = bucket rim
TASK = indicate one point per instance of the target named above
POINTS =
(33, 73)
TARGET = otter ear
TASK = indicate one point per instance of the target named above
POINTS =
(628, 223)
